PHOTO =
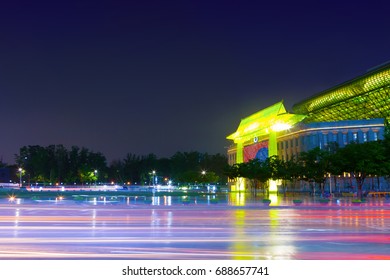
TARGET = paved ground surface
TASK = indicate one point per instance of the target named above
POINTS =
(131, 228)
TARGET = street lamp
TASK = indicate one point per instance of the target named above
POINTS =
(20, 177)
(203, 177)
(95, 176)
(154, 174)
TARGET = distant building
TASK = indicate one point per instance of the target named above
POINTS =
(355, 111)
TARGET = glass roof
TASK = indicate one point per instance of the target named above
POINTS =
(365, 97)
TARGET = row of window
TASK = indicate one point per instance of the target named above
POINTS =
(324, 139)
(292, 147)
(232, 158)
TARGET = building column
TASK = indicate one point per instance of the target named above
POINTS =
(272, 151)
(240, 153)
(272, 144)
(239, 186)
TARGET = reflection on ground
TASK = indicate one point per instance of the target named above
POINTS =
(197, 228)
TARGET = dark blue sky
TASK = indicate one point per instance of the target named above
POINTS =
(166, 76)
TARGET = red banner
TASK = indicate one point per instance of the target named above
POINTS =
(251, 151)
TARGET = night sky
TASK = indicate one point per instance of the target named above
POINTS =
(159, 77)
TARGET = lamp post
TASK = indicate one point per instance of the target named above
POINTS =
(203, 177)
(154, 174)
(20, 177)
(96, 172)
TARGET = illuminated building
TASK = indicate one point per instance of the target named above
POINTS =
(354, 111)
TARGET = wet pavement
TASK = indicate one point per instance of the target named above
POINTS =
(170, 228)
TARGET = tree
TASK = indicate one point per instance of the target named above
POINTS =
(364, 159)
(251, 171)
(116, 171)
(316, 165)
(55, 163)
(35, 160)
(197, 162)
(289, 170)
(257, 172)
(74, 163)
(188, 177)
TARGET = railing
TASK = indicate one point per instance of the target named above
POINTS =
(378, 194)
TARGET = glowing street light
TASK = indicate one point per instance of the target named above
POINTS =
(95, 172)
(12, 198)
(153, 178)
(203, 176)
(280, 126)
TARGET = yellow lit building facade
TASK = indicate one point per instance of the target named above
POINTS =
(354, 111)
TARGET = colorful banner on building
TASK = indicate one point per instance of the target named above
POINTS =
(257, 150)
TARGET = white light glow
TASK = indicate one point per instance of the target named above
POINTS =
(251, 127)
(280, 127)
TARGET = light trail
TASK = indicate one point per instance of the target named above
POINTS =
(83, 231)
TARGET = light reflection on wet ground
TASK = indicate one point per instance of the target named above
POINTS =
(234, 228)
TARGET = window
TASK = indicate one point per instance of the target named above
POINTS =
(325, 139)
(334, 137)
(345, 139)
(364, 136)
(355, 137)
(375, 136)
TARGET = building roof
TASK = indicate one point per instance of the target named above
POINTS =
(274, 118)
(365, 97)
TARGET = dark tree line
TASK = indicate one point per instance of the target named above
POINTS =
(57, 164)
